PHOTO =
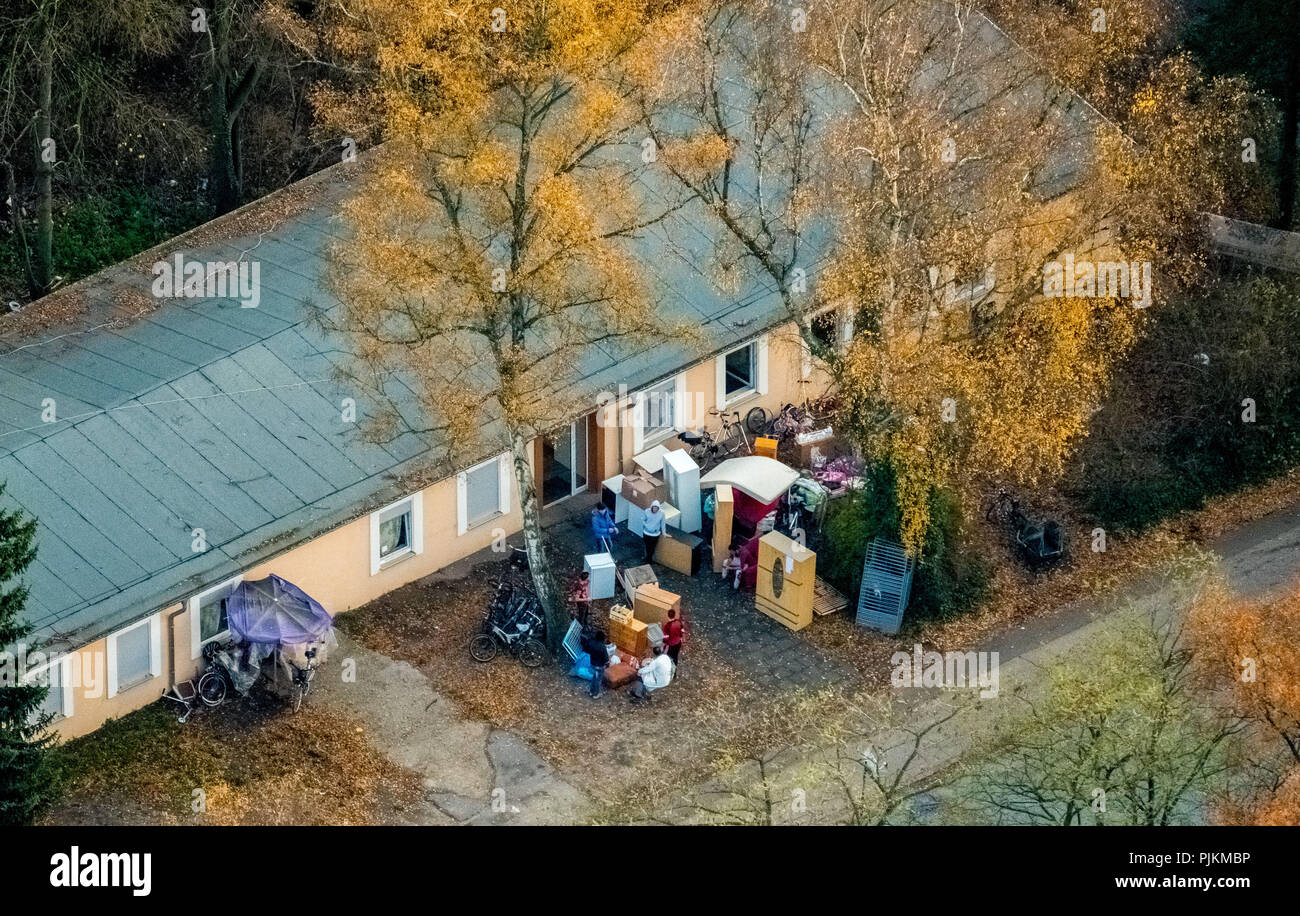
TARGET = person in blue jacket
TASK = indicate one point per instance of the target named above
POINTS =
(603, 526)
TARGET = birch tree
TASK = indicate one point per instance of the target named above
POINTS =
(905, 167)
(489, 244)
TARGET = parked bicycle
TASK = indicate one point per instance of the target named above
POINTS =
(705, 448)
(513, 621)
(217, 680)
(302, 678)
(515, 630)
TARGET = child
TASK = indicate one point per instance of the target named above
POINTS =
(580, 597)
(731, 568)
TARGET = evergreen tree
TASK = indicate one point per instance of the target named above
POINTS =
(23, 739)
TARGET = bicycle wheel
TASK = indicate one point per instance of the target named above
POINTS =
(532, 653)
(483, 648)
(756, 421)
(212, 689)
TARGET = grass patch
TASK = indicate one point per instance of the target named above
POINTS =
(254, 763)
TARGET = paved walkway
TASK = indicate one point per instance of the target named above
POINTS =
(473, 774)
(1258, 559)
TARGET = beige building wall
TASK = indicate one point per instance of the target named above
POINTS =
(335, 568)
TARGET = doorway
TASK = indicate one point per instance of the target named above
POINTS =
(564, 462)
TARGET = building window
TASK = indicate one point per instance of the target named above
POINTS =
(659, 410)
(483, 493)
(742, 371)
(208, 615)
(824, 327)
(396, 531)
(134, 655)
(741, 375)
(58, 699)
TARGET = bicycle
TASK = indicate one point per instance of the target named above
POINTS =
(216, 681)
(302, 678)
(515, 635)
(706, 448)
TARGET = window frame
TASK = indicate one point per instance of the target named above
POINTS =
(758, 370)
(194, 605)
(65, 683)
(463, 525)
(643, 438)
(154, 623)
(414, 505)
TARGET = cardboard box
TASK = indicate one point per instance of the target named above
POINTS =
(812, 446)
(652, 603)
(638, 576)
(723, 511)
(680, 552)
(765, 447)
(641, 490)
(630, 637)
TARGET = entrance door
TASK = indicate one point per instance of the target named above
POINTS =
(564, 462)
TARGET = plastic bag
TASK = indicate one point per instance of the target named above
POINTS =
(582, 667)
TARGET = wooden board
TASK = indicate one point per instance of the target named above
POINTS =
(827, 599)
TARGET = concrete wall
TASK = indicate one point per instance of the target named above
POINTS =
(335, 568)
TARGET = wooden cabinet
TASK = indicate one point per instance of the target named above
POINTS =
(787, 580)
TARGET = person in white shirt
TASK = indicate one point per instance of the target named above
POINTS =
(654, 674)
(652, 526)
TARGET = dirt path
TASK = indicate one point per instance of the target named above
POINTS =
(1257, 559)
(472, 772)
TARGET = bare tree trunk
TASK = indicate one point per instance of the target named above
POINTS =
(227, 94)
(43, 268)
(16, 220)
(538, 562)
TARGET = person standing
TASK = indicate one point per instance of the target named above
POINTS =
(673, 636)
(652, 528)
(580, 598)
(603, 527)
(598, 650)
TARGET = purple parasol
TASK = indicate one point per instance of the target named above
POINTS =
(275, 611)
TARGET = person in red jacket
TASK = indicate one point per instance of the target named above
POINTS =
(673, 636)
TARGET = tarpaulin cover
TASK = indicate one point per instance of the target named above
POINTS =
(274, 611)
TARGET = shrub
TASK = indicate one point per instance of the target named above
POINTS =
(949, 579)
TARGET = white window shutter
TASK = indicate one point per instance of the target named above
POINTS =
(155, 645)
(504, 478)
(65, 681)
(720, 364)
(417, 522)
(374, 543)
(761, 359)
(679, 403)
(196, 624)
(111, 645)
(462, 511)
(638, 423)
